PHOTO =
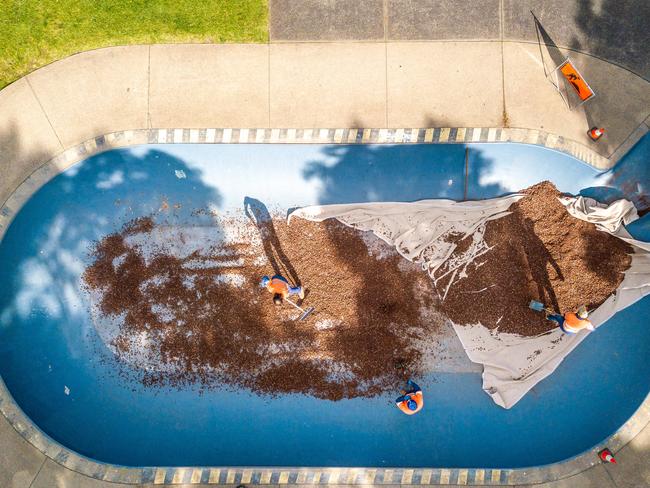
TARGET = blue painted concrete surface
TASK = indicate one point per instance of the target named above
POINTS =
(48, 343)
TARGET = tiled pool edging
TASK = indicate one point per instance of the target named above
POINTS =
(263, 476)
(313, 476)
(440, 135)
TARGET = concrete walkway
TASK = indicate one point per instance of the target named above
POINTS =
(613, 30)
(304, 85)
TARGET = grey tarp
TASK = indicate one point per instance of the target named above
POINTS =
(421, 232)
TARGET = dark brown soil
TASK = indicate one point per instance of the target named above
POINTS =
(358, 342)
(540, 253)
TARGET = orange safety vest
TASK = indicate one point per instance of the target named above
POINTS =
(417, 397)
(278, 286)
(573, 323)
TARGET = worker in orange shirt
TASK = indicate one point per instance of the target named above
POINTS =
(281, 289)
(572, 322)
(411, 400)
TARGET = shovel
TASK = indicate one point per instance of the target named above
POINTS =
(305, 312)
(539, 306)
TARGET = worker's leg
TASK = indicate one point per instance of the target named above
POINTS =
(560, 321)
(296, 290)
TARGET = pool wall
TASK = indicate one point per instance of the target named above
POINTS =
(264, 476)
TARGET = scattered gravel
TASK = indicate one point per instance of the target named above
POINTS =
(202, 318)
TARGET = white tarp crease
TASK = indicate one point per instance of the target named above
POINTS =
(420, 231)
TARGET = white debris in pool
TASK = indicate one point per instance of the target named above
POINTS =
(66, 390)
(231, 279)
(450, 182)
(163, 312)
(326, 324)
(207, 264)
(180, 174)
(118, 261)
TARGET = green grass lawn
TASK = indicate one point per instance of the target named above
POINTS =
(36, 32)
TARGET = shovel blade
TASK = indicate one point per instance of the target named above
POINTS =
(535, 305)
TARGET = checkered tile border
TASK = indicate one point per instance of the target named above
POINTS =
(300, 476)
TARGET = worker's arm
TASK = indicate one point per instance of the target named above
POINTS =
(415, 387)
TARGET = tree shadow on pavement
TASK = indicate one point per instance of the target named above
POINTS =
(615, 30)
(592, 108)
(16, 161)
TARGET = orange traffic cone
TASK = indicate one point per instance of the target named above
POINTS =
(596, 133)
(606, 456)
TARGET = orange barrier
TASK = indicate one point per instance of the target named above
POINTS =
(574, 77)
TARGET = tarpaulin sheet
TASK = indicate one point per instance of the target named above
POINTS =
(422, 232)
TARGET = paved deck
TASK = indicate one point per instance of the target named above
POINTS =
(407, 64)
(306, 85)
(616, 31)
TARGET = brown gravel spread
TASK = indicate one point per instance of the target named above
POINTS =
(371, 324)
(359, 341)
(540, 252)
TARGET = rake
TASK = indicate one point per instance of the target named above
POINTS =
(305, 311)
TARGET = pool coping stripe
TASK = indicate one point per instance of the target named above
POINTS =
(295, 475)
(229, 135)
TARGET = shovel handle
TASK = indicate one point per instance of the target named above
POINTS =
(287, 300)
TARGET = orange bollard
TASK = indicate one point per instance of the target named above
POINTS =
(606, 456)
(596, 133)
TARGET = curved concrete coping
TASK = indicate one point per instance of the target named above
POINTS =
(285, 475)
(443, 135)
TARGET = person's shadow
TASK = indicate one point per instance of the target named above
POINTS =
(260, 216)
(538, 257)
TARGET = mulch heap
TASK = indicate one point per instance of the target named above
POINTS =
(198, 316)
(539, 252)
(186, 320)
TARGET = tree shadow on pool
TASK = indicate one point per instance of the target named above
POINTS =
(359, 173)
(407, 173)
(50, 241)
(629, 178)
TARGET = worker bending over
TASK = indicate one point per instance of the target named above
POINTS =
(281, 289)
(572, 322)
(411, 400)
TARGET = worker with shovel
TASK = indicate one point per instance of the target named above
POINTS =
(570, 322)
(411, 400)
(281, 289)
